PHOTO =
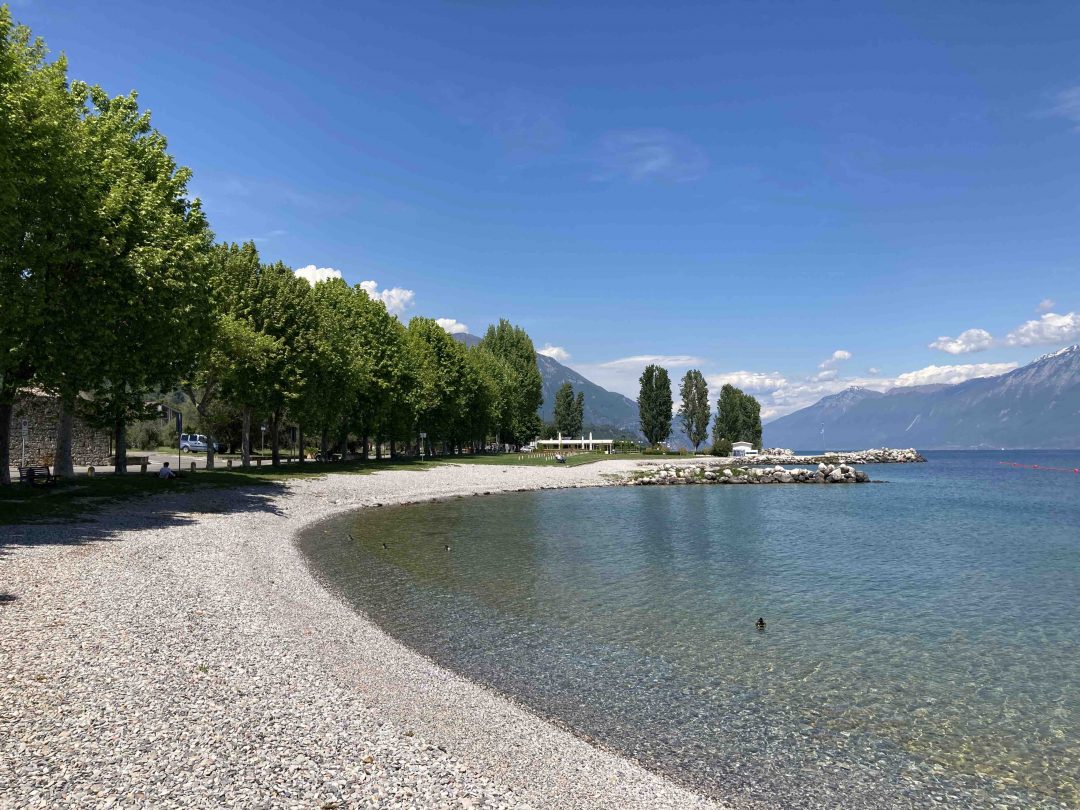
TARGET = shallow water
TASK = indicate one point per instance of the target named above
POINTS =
(923, 635)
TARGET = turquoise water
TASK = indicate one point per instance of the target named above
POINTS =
(923, 638)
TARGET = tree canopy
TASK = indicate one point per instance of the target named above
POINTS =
(115, 296)
(738, 417)
(569, 410)
(654, 404)
(694, 408)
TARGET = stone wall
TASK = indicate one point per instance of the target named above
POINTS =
(89, 445)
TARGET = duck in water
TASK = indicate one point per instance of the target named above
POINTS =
(760, 624)
(446, 546)
(385, 547)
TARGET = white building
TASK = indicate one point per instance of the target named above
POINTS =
(739, 449)
(575, 444)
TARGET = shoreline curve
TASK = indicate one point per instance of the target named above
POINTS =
(178, 651)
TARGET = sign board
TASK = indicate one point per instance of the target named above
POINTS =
(423, 435)
(25, 424)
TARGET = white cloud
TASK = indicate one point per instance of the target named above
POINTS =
(873, 370)
(1067, 105)
(838, 356)
(639, 361)
(753, 381)
(951, 374)
(971, 340)
(313, 275)
(1046, 305)
(554, 352)
(396, 299)
(452, 326)
(649, 154)
(1050, 328)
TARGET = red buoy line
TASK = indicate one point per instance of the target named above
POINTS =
(1075, 470)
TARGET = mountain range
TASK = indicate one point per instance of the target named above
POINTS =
(1035, 406)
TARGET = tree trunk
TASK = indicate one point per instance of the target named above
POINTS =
(120, 434)
(245, 439)
(299, 445)
(62, 464)
(366, 448)
(6, 409)
(275, 438)
(378, 448)
(209, 451)
(324, 443)
(393, 450)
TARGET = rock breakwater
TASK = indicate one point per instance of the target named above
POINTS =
(669, 474)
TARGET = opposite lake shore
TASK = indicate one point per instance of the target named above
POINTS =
(176, 651)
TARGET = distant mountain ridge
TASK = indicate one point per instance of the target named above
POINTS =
(1035, 406)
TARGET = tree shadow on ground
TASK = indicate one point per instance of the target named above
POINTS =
(153, 511)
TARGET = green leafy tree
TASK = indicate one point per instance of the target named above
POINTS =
(738, 417)
(492, 408)
(694, 410)
(41, 202)
(565, 411)
(654, 404)
(156, 256)
(526, 392)
(230, 268)
(441, 395)
(579, 413)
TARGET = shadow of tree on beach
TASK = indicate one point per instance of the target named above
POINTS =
(160, 510)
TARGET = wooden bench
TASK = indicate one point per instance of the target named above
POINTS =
(35, 475)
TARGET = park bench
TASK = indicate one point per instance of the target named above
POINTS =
(35, 475)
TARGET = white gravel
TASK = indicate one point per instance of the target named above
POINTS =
(176, 652)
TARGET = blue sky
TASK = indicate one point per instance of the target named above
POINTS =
(792, 196)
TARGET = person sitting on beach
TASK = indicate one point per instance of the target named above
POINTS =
(165, 472)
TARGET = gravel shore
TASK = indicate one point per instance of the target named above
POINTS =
(176, 652)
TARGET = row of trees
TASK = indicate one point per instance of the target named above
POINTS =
(111, 287)
(738, 415)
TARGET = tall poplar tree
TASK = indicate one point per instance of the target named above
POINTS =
(654, 404)
(564, 410)
(579, 413)
(694, 409)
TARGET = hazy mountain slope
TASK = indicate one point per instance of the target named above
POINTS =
(1035, 406)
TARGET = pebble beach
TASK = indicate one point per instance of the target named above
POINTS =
(176, 652)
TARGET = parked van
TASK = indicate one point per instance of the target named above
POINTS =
(192, 443)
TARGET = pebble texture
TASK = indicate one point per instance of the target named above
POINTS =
(176, 652)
